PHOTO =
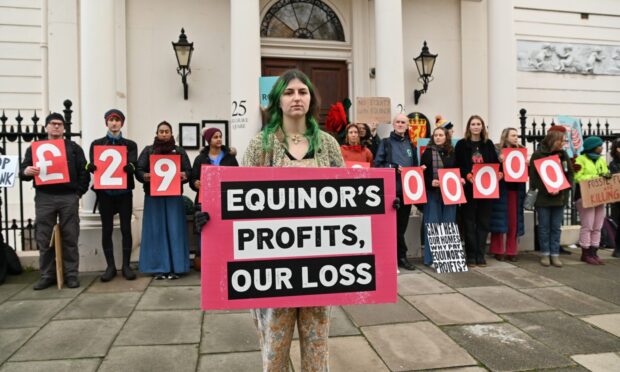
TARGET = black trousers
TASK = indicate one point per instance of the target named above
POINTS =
(108, 207)
(476, 215)
(402, 220)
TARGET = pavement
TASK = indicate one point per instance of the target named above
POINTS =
(505, 317)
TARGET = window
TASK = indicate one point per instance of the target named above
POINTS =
(302, 19)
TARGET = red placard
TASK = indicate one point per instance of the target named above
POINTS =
(414, 190)
(515, 165)
(203, 168)
(486, 181)
(551, 173)
(165, 175)
(51, 159)
(451, 186)
(357, 164)
(110, 161)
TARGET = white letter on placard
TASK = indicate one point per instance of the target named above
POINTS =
(106, 177)
(167, 175)
(420, 185)
(558, 173)
(232, 200)
(43, 163)
(492, 185)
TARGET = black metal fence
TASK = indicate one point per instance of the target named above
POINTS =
(16, 227)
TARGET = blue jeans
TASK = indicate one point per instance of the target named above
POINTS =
(435, 211)
(549, 229)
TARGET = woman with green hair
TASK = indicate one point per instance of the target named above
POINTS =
(292, 138)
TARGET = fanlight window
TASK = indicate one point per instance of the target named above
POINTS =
(302, 19)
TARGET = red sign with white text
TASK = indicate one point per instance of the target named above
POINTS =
(51, 158)
(110, 161)
(356, 164)
(414, 189)
(165, 175)
(451, 186)
(279, 237)
(486, 181)
(551, 173)
(515, 165)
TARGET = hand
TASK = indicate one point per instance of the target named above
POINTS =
(500, 175)
(608, 176)
(398, 169)
(501, 158)
(396, 203)
(31, 171)
(423, 167)
(435, 183)
(197, 184)
(462, 181)
(201, 219)
(91, 167)
(183, 176)
(147, 177)
(470, 177)
(554, 192)
(128, 169)
(576, 167)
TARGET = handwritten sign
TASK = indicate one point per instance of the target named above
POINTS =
(446, 247)
(51, 158)
(599, 191)
(8, 169)
(373, 109)
(283, 238)
(110, 161)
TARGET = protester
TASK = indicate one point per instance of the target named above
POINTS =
(614, 167)
(292, 139)
(58, 202)
(115, 201)
(396, 152)
(365, 136)
(507, 220)
(550, 205)
(164, 248)
(438, 154)
(592, 165)
(475, 148)
(352, 149)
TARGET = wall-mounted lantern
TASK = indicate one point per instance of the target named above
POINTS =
(183, 51)
(425, 63)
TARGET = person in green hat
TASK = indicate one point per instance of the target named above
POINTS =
(592, 165)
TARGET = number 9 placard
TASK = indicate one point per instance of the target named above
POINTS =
(51, 159)
(110, 161)
(165, 175)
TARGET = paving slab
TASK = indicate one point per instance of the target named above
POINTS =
(462, 280)
(339, 324)
(29, 313)
(493, 264)
(8, 290)
(119, 284)
(178, 358)
(166, 327)
(53, 292)
(170, 298)
(420, 283)
(607, 322)
(420, 345)
(346, 354)
(374, 314)
(71, 365)
(68, 339)
(27, 277)
(603, 362)
(502, 299)
(13, 339)
(503, 347)
(563, 333)
(217, 337)
(520, 278)
(452, 308)
(191, 278)
(100, 305)
(464, 369)
(572, 301)
(231, 362)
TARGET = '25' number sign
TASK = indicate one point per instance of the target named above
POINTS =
(165, 175)
(110, 161)
(51, 159)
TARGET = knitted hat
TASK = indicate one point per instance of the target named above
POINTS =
(591, 143)
(440, 122)
(54, 116)
(208, 133)
(114, 112)
(557, 128)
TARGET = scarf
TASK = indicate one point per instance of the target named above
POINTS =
(114, 139)
(593, 156)
(163, 147)
(436, 152)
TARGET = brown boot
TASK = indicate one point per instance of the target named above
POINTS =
(595, 256)
(586, 256)
(555, 261)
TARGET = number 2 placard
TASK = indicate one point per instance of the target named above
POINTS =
(51, 159)
(165, 175)
(110, 161)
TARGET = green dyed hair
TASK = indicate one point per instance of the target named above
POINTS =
(275, 116)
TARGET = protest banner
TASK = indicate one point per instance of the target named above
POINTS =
(8, 170)
(451, 186)
(278, 237)
(486, 181)
(515, 164)
(373, 110)
(51, 158)
(110, 161)
(414, 189)
(356, 164)
(600, 190)
(446, 247)
(165, 175)
(551, 173)
(265, 84)
(573, 139)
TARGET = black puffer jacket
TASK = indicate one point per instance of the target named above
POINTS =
(144, 166)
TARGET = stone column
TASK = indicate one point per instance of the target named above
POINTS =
(390, 75)
(502, 66)
(245, 70)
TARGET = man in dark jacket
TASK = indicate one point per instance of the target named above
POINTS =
(58, 201)
(116, 201)
(396, 152)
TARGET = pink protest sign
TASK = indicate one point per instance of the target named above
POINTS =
(278, 237)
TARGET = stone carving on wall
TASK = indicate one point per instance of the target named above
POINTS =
(568, 58)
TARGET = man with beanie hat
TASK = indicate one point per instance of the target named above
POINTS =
(116, 201)
(58, 201)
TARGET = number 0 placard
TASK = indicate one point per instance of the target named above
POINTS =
(551, 173)
(451, 186)
(110, 161)
(165, 175)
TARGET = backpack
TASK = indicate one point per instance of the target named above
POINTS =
(9, 262)
(608, 233)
